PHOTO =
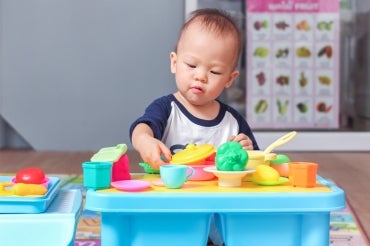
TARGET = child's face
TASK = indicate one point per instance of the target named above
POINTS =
(204, 64)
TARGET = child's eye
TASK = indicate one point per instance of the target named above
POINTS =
(216, 73)
(191, 66)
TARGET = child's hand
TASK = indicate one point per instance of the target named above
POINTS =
(151, 151)
(243, 140)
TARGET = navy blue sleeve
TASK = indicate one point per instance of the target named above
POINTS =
(243, 126)
(155, 116)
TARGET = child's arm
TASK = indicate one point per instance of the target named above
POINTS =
(149, 148)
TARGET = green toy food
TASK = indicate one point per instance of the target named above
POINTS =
(281, 164)
(231, 156)
(280, 159)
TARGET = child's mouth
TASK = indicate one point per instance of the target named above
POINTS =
(196, 90)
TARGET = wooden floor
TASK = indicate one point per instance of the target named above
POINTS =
(349, 170)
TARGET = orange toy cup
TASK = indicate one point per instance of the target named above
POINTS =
(303, 174)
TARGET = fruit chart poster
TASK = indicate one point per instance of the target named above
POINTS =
(293, 64)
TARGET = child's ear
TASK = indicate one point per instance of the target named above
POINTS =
(232, 77)
(173, 59)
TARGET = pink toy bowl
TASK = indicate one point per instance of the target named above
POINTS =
(200, 174)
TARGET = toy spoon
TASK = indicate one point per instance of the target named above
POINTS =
(282, 140)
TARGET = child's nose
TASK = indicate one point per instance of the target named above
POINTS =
(201, 75)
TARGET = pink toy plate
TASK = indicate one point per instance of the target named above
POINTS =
(130, 185)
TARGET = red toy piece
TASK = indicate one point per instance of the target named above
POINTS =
(30, 175)
(121, 169)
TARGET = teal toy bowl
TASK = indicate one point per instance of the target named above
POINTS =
(97, 175)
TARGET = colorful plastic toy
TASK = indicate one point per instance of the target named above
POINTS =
(257, 157)
(30, 175)
(199, 157)
(111, 154)
(97, 175)
(174, 175)
(303, 174)
(193, 154)
(21, 189)
(148, 169)
(229, 178)
(280, 141)
(29, 181)
(120, 161)
(266, 175)
(231, 156)
(45, 183)
(131, 185)
(121, 169)
(200, 174)
(281, 165)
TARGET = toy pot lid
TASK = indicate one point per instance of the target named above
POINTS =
(193, 153)
(260, 155)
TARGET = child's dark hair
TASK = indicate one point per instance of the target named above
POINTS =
(218, 21)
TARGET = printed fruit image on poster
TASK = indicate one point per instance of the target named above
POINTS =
(292, 64)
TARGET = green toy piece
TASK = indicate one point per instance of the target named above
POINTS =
(231, 156)
(280, 159)
(110, 154)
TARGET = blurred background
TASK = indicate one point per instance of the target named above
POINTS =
(74, 74)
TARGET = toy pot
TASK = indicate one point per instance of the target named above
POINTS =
(195, 155)
(256, 158)
(303, 174)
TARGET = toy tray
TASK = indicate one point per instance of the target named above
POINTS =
(28, 204)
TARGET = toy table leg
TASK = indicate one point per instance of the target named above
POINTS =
(165, 229)
(114, 229)
(291, 229)
(315, 229)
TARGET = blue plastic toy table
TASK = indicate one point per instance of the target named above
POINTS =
(247, 215)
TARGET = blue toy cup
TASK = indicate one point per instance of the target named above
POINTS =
(174, 176)
(97, 175)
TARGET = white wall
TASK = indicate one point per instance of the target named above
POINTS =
(76, 73)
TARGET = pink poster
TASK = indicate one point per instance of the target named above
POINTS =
(293, 64)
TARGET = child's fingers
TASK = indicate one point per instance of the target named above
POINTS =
(239, 138)
(166, 153)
